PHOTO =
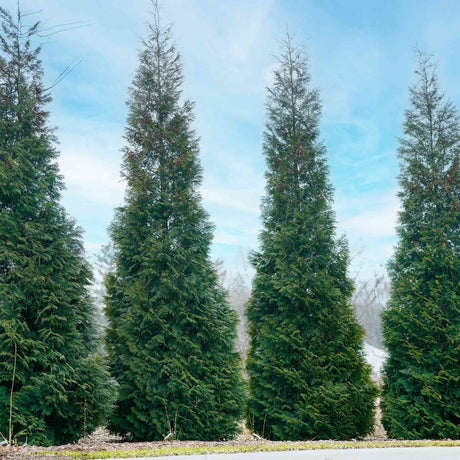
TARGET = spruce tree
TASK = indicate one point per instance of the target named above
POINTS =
(308, 377)
(421, 397)
(53, 388)
(171, 333)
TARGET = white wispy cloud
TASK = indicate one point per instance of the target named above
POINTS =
(247, 200)
(374, 216)
(89, 177)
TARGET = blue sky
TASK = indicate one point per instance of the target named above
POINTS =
(362, 61)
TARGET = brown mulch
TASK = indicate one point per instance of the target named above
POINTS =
(101, 439)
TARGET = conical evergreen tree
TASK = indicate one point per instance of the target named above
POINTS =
(52, 385)
(308, 377)
(421, 397)
(171, 333)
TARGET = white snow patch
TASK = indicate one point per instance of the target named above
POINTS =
(375, 357)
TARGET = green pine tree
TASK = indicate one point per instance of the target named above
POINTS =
(53, 388)
(171, 333)
(421, 397)
(308, 377)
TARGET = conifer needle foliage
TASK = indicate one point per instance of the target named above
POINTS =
(171, 333)
(308, 377)
(421, 397)
(51, 382)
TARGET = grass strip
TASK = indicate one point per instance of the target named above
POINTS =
(201, 450)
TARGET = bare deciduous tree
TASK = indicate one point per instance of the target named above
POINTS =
(369, 299)
(238, 286)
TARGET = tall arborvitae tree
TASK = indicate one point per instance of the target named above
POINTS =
(308, 377)
(52, 386)
(422, 323)
(171, 333)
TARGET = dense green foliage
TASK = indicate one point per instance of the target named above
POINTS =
(61, 389)
(421, 397)
(171, 333)
(308, 377)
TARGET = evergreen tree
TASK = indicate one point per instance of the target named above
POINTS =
(171, 333)
(103, 264)
(421, 397)
(52, 386)
(308, 377)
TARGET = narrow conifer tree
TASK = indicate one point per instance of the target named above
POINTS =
(171, 333)
(421, 397)
(308, 377)
(53, 388)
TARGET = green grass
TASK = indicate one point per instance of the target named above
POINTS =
(226, 449)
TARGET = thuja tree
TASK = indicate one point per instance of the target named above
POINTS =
(308, 377)
(52, 386)
(421, 326)
(171, 333)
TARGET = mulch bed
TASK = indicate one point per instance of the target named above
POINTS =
(101, 439)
